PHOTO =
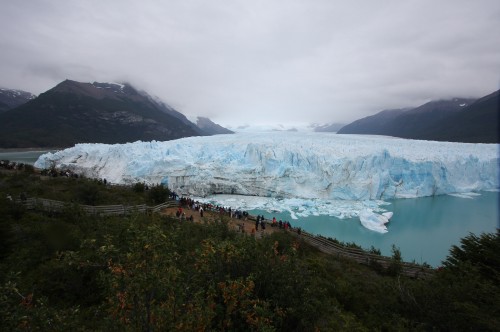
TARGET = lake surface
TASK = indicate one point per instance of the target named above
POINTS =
(25, 157)
(423, 228)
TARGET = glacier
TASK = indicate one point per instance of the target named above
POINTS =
(310, 167)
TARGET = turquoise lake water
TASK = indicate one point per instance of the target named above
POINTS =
(25, 157)
(424, 229)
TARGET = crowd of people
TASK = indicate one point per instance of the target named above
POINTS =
(12, 165)
(187, 203)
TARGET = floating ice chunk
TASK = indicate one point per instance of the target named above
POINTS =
(461, 196)
(388, 215)
(465, 195)
(366, 210)
(373, 221)
(304, 208)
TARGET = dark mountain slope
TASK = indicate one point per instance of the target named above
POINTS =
(456, 120)
(477, 123)
(74, 112)
(414, 123)
(211, 128)
(327, 128)
(372, 125)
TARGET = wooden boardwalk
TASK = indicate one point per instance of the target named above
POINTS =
(102, 210)
(321, 243)
(363, 257)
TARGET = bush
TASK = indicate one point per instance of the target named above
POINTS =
(139, 187)
(29, 168)
(88, 193)
(158, 194)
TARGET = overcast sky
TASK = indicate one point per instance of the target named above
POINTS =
(259, 61)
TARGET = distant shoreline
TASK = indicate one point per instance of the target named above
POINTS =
(27, 149)
(24, 155)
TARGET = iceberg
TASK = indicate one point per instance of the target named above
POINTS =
(294, 167)
(373, 221)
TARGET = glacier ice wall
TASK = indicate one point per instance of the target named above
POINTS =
(291, 165)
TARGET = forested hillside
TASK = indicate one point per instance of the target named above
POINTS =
(70, 271)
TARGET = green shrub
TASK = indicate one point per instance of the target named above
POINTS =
(29, 168)
(88, 193)
(139, 187)
(158, 194)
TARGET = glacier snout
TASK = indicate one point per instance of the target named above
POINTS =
(288, 165)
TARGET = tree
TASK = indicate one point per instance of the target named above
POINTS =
(465, 293)
(479, 254)
(395, 266)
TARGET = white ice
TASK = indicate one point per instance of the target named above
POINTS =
(305, 173)
(465, 195)
(296, 207)
(373, 221)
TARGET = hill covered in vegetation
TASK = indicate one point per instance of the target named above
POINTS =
(68, 270)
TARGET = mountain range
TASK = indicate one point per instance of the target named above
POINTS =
(454, 120)
(331, 127)
(74, 112)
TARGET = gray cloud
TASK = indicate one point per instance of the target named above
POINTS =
(259, 61)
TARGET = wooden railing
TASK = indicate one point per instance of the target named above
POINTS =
(364, 257)
(103, 210)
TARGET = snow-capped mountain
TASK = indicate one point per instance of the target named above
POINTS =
(290, 127)
(330, 127)
(272, 127)
(10, 99)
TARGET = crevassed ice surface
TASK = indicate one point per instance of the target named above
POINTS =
(292, 165)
